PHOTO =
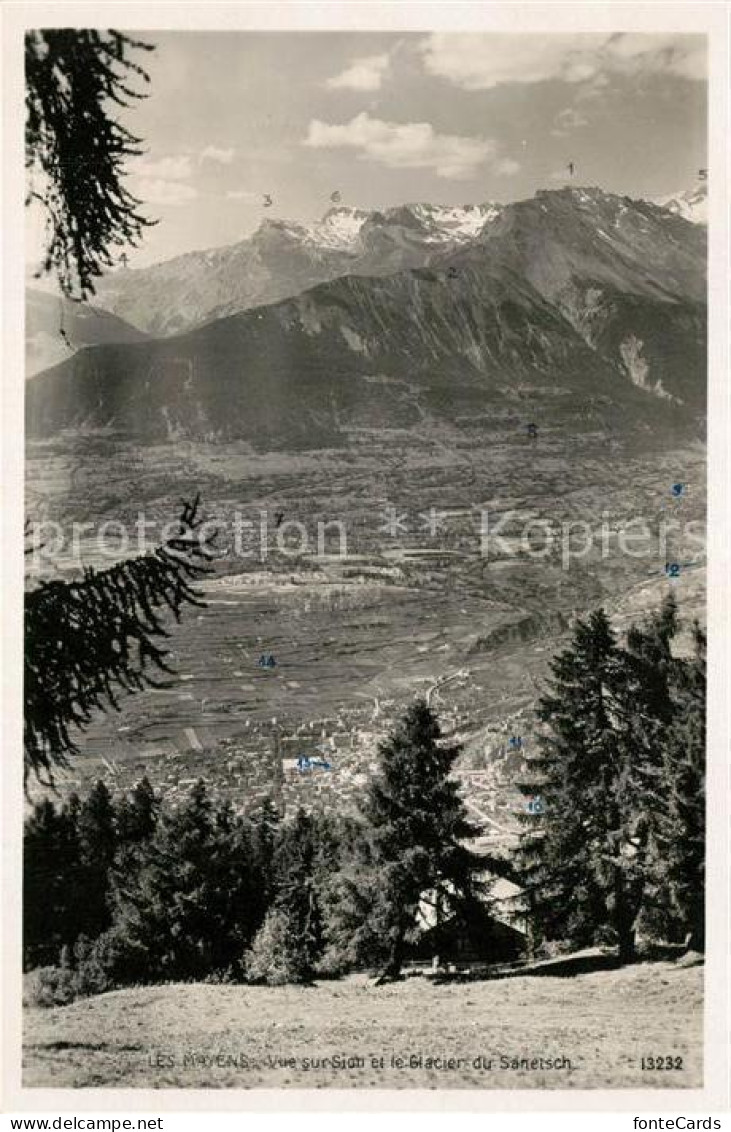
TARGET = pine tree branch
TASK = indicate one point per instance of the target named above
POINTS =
(87, 639)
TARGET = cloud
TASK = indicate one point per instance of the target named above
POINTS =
(242, 194)
(167, 168)
(682, 55)
(365, 73)
(568, 120)
(476, 62)
(507, 167)
(164, 192)
(407, 145)
(214, 153)
(161, 181)
(481, 62)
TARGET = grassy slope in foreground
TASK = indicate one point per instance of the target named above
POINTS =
(603, 1022)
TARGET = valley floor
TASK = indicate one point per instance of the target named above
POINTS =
(595, 1027)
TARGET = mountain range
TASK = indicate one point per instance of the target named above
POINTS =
(283, 258)
(572, 295)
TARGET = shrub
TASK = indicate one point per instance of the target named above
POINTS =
(49, 986)
(553, 949)
(223, 976)
(332, 965)
(112, 960)
(275, 957)
(96, 966)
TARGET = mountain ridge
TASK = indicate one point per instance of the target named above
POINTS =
(283, 258)
(569, 297)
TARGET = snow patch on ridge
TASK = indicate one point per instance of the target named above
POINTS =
(339, 228)
(354, 340)
(454, 224)
(309, 318)
(638, 368)
(691, 204)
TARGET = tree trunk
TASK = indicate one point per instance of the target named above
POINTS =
(392, 969)
(624, 921)
(696, 938)
(627, 944)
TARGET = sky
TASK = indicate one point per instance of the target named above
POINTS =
(387, 118)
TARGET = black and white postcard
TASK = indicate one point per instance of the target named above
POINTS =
(365, 445)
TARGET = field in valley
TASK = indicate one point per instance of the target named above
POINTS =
(597, 1027)
(404, 611)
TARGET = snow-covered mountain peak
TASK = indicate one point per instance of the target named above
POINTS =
(454, 223)
(340, 227)
(691, 204)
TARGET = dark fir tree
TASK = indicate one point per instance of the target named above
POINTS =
(137, 814)
(190, 906)
(644, 716)
(159, 906)
(296, 891)
(680, 830)
(266, 824)
(416, 826)
(646, 707)
(97, 839)
(620, 768)
(661, 719)
(52, 889)
(291, 943)
(87, 641)
(579, 858)
(77, 82)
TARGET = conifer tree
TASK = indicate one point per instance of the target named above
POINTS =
(160, 907)
(51, 881)
(275, 957)
(680, 830)
(236, 906)
(137, 814)
(77, 80)
(97, 838)
(646, 706)
(189, 907)
(265, 834)
(579, 856)
(644, 714)
(296, 893)
(413, 849)
(620, 772)
(291, 942)
(664, 723)
(86, 641)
